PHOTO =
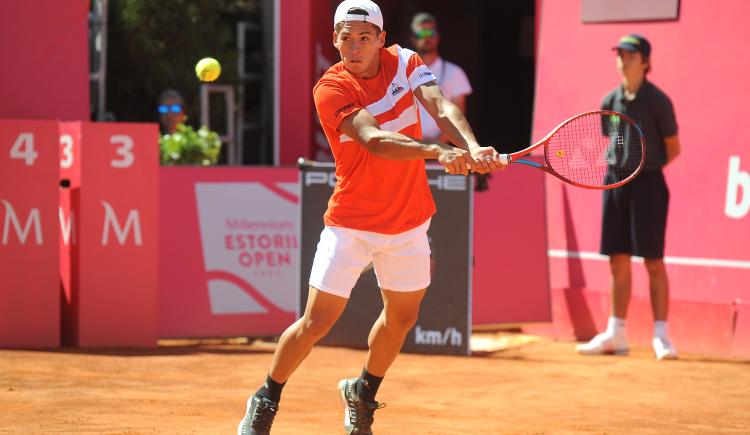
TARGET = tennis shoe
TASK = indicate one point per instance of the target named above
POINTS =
(259, 414)
(606, 343)
(358, 413)
(663, 348)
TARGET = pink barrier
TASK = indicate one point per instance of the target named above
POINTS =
(215, 282)
(70, 179)
(29, 283)
(113, 234)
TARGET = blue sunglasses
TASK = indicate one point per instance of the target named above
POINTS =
(174, 108)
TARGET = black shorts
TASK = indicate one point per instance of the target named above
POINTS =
(634, 217)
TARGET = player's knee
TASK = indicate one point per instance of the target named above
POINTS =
(315, 328)
(401, 322)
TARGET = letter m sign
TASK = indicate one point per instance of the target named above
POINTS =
(133, 222)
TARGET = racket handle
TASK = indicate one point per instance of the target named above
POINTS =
(505, 159)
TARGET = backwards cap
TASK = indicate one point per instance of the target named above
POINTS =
(358, 10)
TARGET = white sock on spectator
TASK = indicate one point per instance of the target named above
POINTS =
(660, 329)
(615, 325)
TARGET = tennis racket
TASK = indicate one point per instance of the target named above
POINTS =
(593, 150)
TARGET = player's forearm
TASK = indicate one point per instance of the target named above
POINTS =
(396, 146)
(454, 125)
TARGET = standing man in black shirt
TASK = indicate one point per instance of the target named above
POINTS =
(635, 215)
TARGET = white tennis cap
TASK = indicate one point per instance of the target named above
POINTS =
(359, 10)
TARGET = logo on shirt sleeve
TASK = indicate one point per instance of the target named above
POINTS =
(343, 109)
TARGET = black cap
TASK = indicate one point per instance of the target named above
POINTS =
(634, 42)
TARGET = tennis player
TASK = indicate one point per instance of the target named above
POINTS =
(380, 209)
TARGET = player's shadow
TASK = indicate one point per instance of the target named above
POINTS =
(575, 300)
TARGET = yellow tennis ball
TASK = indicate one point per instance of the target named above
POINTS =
(208, 69)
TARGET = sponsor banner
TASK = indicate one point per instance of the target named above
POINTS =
(444, 324)
(115, 263)
(229, 251)
(29, 281)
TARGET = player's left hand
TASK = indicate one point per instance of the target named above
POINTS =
(488, 159)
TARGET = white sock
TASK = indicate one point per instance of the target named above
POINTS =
(615, 325)
(660, 329)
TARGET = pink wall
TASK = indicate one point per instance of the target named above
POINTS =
(701, 61)
(324, 54)
(510, 278)
(295, 95)
(44, 46)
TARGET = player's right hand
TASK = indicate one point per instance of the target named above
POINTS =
(487, 159)
(456, 160)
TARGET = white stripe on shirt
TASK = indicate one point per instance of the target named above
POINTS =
(405, 119)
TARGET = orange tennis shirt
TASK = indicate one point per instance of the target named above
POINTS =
(373, 193)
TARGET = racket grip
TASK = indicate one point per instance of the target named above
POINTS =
(505, 159)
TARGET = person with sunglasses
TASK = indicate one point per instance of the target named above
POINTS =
(451, 78)
(170, 111)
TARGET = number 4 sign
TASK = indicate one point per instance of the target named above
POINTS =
(29, 280)
(23, 149)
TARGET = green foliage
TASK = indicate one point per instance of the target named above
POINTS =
(153, 45)
(189, 147)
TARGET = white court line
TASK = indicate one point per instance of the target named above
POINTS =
(684, 261)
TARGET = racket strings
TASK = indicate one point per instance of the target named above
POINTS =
(595, 150)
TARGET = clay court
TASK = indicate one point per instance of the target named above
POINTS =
(533, 386)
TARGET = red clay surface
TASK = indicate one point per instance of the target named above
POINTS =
(537, 388)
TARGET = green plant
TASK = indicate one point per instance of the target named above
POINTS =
(189, 147)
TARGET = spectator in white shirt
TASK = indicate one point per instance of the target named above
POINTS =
(451, 78)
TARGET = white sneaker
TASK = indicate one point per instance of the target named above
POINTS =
(663, 348)
(605, 343)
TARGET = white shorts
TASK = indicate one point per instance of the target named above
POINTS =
(401, 261)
